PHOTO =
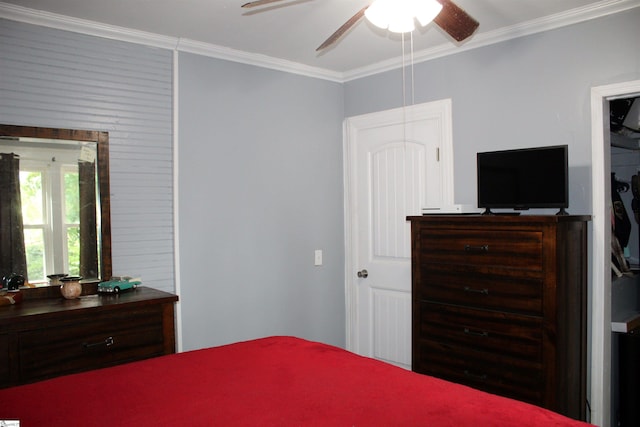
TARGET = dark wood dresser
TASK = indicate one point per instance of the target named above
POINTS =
(499, 304)
(46, 338)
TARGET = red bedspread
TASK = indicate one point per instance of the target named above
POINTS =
(277, 381)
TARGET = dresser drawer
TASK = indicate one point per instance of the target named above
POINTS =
(492, 372)
(499, 289)
(508, 248)
(106, 339)
(503, 333)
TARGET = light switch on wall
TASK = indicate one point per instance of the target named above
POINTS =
(318, 257)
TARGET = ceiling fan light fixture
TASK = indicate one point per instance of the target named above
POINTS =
(398, 15)
(377, 13)
(426, 11)
(401, 24)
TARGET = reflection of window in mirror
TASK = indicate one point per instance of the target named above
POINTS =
(80, 215)
(51, 217)
(50, 201)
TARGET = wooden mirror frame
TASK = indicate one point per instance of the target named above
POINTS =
(102, 142)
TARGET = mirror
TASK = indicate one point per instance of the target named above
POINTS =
(54, 203)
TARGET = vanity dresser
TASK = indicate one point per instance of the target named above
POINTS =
(46, 336)
(499, 304)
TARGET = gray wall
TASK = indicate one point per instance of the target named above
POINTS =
(54, 78)
(260, 188)
(525, 92)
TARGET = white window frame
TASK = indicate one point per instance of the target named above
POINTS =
(54, 224)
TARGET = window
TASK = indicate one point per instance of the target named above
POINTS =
(51, 230)
(33, 217)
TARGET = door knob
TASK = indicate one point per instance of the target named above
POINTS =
(363, 274)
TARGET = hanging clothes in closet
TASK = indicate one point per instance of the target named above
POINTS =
(621, 225)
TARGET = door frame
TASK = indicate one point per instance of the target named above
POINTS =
(601, 244)
(442, 109)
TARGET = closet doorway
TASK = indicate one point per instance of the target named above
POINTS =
(625, 296)
(600, 297)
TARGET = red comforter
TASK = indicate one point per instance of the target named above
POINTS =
(277, 381)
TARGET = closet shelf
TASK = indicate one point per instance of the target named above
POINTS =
(625, 321)
(621, 141)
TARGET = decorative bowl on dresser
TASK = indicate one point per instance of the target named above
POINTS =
(43, 338)
(499, 304)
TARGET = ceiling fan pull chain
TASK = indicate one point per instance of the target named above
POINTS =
(404, 70)
(404, 99)
(413, 99)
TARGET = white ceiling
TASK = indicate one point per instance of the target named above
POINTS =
(291, 31)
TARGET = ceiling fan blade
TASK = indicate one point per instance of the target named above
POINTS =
(455, 21)
(258, 3)
(343, 29)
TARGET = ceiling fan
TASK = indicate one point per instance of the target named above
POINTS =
(446, 14)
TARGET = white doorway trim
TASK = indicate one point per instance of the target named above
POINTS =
(441, 108)
(601, 244)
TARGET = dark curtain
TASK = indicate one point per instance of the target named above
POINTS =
(13, 258)
(88, 222)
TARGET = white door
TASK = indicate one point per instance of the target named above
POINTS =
(396, 163)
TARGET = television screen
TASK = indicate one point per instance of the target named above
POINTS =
(524, 178)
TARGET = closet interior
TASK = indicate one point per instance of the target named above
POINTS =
(625, 260)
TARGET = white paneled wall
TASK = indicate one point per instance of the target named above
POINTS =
(55, 78)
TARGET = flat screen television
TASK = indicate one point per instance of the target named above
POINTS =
(524, 178)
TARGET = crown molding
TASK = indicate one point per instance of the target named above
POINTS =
(62, 22)
(259, 60)
(83, 26)
(92, 28)
(551, 22)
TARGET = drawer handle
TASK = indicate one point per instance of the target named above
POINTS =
(107, 343)
(484, 291)
(476, 333)
(482, 377)
(470, 248)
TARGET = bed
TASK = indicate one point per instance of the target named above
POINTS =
(274, 381)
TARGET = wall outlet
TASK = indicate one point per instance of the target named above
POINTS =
(318, 257)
